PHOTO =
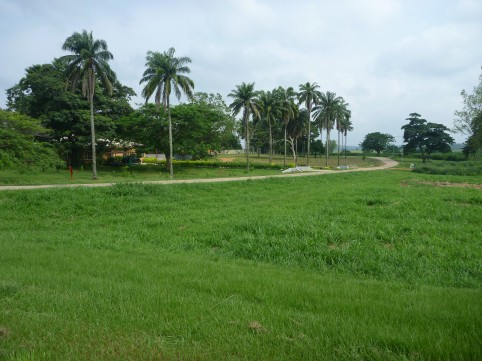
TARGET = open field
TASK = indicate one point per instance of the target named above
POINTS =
(382, 265)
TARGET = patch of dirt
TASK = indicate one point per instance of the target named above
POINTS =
(445, 184)
(226, 159)
(256, 326)
(4, 331)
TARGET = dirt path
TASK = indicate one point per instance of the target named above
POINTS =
(387, 163)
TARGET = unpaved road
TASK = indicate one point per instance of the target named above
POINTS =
(387, 163)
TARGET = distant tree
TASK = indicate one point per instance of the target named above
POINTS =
(377, 142)
(245, 99)
(309, 95)
(346, 126)
(468, 120)
(165, 72)
(21, 145)
(297, 127)
(342, 114)
(88, 59)
(426, 137)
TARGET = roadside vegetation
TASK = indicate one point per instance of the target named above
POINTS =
(378, 265)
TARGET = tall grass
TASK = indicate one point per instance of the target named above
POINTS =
(355, 266)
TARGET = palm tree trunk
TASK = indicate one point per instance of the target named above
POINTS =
(270, 143)
(309, 135)
(327, 144)
(171, 170)
(338, 147)
(246, 118)
(92, 126)
(284, 162)
(345, 145)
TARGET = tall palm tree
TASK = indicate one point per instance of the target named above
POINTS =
(165, 72)
(346, 126)
(325, 113)
(88, 60)
(297, 128)
(288, 109)
(310, 96)
(245, 99)
(341, 113)
(269, 110)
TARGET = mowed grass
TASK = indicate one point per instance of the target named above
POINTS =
(382, 265)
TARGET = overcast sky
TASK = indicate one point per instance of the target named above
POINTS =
(386, 58)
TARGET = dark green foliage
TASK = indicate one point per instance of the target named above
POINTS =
(377, 142)
(21, 144)
(426, 137)
(42, 94)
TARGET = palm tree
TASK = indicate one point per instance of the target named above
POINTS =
(269, 110)
(325, 114)
(88, 59)
(310, 96)
(245, 98)
(288, 108)
(297, 127)
(341, 113)
(346, 126)
(165, 72)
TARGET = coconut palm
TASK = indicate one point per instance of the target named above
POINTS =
(87, 63)
(309, 96)
(341, 114)
(288, 109)
(297, 128)
(245, 99)
(325, 113)
(346, 126)
(269, 111)
(164, 73)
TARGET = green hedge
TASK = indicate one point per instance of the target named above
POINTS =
(212, 164)
(451, 168)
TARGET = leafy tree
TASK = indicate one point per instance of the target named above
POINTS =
(245, 98)
(377, 142)
(426, 137)
(326, 113)
(469, 120)
(309, 95)
(165, 72)
(89, 59)
(20, 144)
(42, 94)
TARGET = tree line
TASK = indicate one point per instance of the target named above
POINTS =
(81, 104)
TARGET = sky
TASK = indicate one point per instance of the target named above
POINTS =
(386, 58)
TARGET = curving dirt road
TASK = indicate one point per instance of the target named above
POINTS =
(387, 163)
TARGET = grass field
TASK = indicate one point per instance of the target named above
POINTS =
(382, 265)
(141, 173)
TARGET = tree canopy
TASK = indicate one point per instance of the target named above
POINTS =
(425, 136)
(377, 142)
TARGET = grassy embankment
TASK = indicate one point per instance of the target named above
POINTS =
(381, 265)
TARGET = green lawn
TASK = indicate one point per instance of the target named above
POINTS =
(382, 265)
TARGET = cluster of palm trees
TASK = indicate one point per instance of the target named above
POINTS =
(283, 105)
(165, 72)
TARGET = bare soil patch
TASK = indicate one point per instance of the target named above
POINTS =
(445, 184)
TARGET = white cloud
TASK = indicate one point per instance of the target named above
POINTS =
(387, 58)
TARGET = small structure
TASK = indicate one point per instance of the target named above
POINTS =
(299, 169)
